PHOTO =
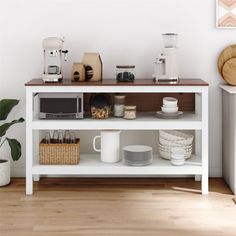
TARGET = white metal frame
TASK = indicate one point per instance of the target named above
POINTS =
(197, 121)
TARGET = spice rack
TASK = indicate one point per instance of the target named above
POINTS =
(195, 104)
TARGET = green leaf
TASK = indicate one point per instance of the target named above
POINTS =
(15, 149)
(6, 106)
(6, 126)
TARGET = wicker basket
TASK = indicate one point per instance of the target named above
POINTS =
(59, 153)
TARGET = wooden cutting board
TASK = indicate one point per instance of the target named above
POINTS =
(226, 54)
(229, 71)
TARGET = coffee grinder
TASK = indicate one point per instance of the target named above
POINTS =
(52, 49)
(166, 65)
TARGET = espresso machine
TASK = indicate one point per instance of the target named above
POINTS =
(52, 49)
(166, 65)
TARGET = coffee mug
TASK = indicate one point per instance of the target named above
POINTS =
(110, 145)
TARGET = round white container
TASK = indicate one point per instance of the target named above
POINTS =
(119, 105)
(5, 172)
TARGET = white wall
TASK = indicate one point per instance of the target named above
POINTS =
(123, 31)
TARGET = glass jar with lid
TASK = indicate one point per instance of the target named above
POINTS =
(119, 105)
(130, 112)
(170, 40)
(125, 73)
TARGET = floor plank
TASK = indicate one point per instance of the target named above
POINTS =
(116, 207)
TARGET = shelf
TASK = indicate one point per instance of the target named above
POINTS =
(90, 165)
(144, 121)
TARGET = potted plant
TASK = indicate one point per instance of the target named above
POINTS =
(6, 106)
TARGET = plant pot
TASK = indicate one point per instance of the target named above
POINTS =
(5, 175)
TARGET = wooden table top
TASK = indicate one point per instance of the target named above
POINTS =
(113, 82)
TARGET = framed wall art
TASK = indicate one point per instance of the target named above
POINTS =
(226, 14)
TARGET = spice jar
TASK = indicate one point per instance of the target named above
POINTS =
(130, 112)
(125, 73)
(119, 105)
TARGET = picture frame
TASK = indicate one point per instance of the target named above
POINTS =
(226, 14)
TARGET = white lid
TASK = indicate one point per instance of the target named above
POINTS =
(52, 43)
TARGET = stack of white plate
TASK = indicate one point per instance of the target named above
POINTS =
(169, 139)
(137, 155)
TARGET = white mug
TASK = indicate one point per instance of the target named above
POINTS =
(110, 145)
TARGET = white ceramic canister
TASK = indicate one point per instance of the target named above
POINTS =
(110, 145)
(5, 175)
(119, 105)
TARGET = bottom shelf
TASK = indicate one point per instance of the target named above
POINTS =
(91, 165)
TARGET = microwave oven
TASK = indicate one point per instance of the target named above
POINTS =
(61, 106)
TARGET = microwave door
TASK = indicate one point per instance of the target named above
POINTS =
(58, 108)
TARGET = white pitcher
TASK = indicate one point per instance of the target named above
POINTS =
(110, 145)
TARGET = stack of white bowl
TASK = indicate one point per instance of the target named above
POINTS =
(169, 139)
(170, 105)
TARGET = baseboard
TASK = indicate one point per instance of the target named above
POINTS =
(18, 172)
(215, 172)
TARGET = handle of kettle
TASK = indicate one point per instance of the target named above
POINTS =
(94, 144)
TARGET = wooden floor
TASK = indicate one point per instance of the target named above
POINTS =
(117, 207)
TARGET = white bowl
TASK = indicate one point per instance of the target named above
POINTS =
(169, 109)
(170, 106)
(177, 158)
(166, 153)
(170, 101)
(177, 137)
(170, 143)
(176, 163)
(178, 151)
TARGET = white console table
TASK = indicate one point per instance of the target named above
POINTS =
(90, 165)
(229, 135)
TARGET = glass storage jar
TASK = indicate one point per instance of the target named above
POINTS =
(170, 40)
(125, 73)
(100, 106)
(119, 105)
(130, 112)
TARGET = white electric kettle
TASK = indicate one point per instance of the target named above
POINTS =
(110, 145)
